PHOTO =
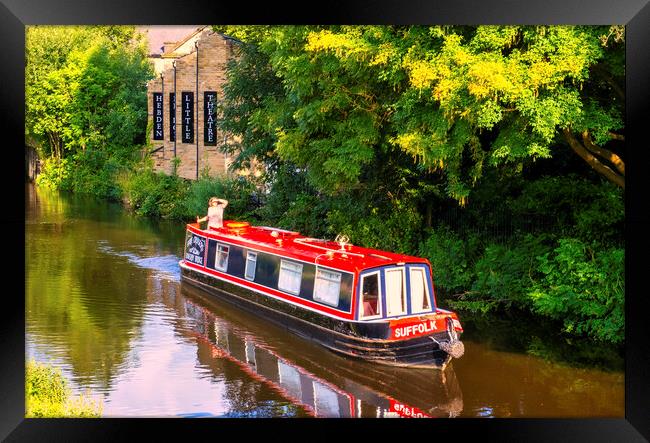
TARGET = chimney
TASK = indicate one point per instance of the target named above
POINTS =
(167, 46)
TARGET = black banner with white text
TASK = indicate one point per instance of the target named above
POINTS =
(188, 117)
(209, 118)
(158, 133)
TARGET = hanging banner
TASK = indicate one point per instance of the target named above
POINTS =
(158, 133)
(209, 118)
(188, 117)
(172, 116)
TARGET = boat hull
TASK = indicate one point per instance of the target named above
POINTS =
(354, 339)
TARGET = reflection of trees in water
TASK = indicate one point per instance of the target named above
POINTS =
(53, 206)
(83, 305)
(518, 332)
(514, 384)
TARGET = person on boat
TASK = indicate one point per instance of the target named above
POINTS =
(215, 213)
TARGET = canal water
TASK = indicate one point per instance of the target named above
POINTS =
(104, 303)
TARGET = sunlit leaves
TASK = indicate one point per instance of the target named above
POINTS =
(584, 289)
(431, 92)
(85, 88)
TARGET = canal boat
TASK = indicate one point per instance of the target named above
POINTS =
(360, 302)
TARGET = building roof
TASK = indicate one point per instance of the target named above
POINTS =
(169, 52)
(160, 35)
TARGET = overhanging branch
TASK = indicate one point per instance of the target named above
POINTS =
(604, 153)
(595, 163)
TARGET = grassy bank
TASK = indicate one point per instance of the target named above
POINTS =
(48, 395)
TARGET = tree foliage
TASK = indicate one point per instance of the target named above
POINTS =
(85, 98)
(455, 99)
(584, 289)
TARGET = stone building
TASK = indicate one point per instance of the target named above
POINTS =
(190, 74)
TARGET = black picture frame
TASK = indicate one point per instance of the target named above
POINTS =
(635, 14)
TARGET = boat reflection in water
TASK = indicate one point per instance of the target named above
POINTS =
(324, 383)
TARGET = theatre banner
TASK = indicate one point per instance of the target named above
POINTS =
(172, 116)
(188, 117)
(158, 133)
(209, 118)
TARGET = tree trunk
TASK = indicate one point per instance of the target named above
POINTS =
(604, 153)
(595, 156)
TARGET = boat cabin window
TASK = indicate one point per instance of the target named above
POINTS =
(395, 292)
(370, 306)
(419, 291)
(327, 287)
(251, 262)
(290, 277)
(221, 258)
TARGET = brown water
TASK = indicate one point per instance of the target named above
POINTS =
(105, 304)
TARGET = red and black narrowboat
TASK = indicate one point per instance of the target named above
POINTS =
(361, 302)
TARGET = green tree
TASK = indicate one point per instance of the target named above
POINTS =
(455, 99)
(85, 103)
(54, 66)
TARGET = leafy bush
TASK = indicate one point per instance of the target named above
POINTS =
(94, 172)
(47, 395)
(53, 172)
(155, 194)
(292, 203)
(584, 288)
(579, 208)
(305, 213)
(503, 276)
(450, 259)
(91, 172)
(395, 228)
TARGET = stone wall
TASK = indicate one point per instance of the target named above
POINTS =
(214, 52)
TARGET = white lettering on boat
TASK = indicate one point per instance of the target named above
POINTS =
(195, 249)
(417, 329)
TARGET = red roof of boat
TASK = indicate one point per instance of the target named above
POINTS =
(292, 244)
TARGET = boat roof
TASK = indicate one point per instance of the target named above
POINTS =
(291, 244)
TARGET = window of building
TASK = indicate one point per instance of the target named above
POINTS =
(395, 299)
(251, 262)
(419, 291)
(327, 287)
(221, 258)
(290, 277)
(370, 296)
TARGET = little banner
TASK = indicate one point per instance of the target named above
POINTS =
(188, 117)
